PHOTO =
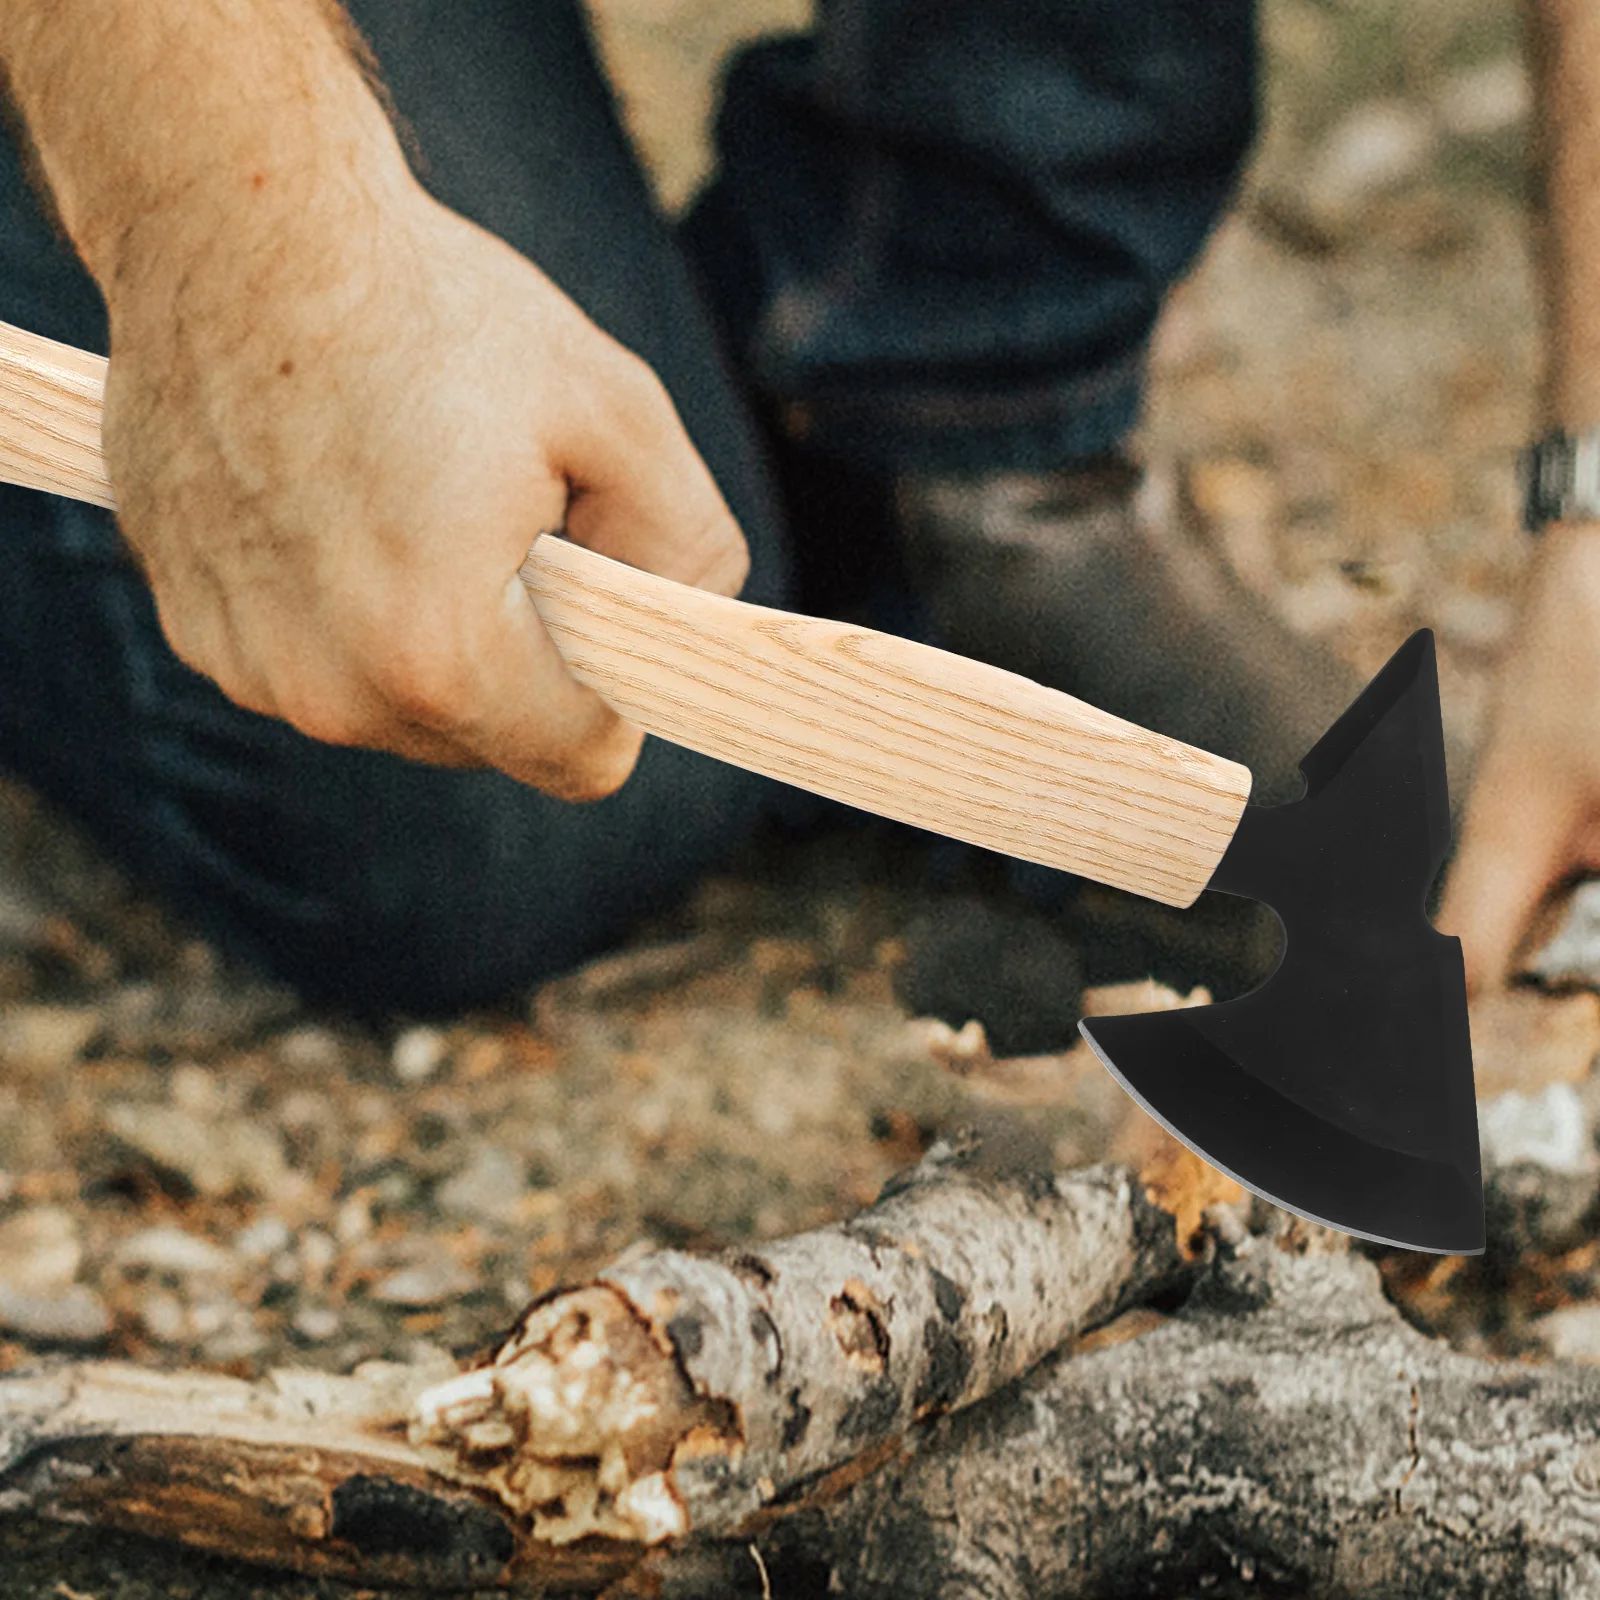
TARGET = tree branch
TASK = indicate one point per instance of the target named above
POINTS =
(1285, 1427)
(1286, 1430)
(693, 1390)
(674, 1394)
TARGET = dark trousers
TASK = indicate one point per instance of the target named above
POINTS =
(942, 231)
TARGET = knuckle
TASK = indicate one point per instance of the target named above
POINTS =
(187, 649)
(184, 640)
(321, 717)
(642, 396)
(594, 770)
(584, 786)
(200, 652)
(428, 686)
(728, 561)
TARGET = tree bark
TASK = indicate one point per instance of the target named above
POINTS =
(695, 1390)
(1285, 1430)
(302, 1470)
(675, 1395)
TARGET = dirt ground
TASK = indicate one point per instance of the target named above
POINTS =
(193, 1169)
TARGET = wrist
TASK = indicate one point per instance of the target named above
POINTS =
(303, 219)
(176, 137)
(215, 265)
(1562, 586)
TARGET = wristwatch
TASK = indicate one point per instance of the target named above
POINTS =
(1560, 476)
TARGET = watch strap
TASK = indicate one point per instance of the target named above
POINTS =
(1560, 475)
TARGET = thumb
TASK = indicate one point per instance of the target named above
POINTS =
(1516, 845)
(640, 492)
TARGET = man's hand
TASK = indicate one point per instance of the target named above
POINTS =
(332, 509)
(337, 414)
(1533, 823)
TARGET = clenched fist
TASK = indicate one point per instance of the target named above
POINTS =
(332, 468)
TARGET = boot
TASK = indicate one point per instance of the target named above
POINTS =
(1100, 581)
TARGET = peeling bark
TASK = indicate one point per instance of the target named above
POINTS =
(674, 1395)
(682, 1393)
(1285, 1430)
(300, 1470)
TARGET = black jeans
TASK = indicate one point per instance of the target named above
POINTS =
(943, 227)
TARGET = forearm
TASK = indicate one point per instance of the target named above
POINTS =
(337, 413)
(172, 130)
(1565, 40)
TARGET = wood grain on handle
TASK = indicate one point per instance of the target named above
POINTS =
(51, 397)
(897, 728)
(894, 727)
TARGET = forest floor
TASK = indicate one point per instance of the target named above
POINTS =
(195, 1170)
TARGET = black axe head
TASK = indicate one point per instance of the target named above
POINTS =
(1342, 1087)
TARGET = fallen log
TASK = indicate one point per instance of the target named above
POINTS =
(1284, 1427)
(1286, 1431)
(674, 1395)
(302, 1470)
(682, 1393)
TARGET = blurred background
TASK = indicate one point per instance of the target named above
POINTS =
(1350, 371)
(196, 1170)
(193, 1169)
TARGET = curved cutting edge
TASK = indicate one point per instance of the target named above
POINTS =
(1295, 1159)
(1342, 1087)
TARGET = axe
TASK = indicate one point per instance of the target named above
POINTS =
(1341, 1088)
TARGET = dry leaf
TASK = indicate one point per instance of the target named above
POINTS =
(1175, 1178)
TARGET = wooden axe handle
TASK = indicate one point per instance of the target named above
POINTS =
(897, 728)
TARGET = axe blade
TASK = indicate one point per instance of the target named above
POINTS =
(1341, 1088)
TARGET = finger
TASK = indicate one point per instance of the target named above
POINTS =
(326, 695)
(431, 748)
(640, 491)
(376, 727)
(509, 702)
(1516, 846)
(534, 720)
(472, 680)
